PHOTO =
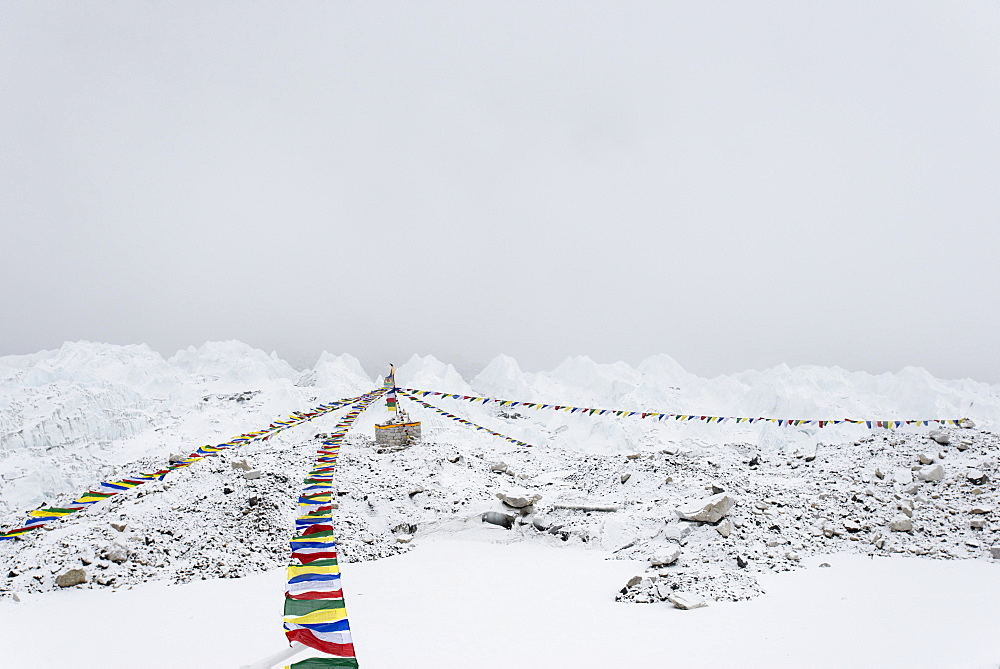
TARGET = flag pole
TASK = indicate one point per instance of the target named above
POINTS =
(272, 660)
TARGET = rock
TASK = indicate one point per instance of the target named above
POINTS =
(15, 597)
(518, 499)
(995, 552)
(825, 564)
(665, 558)
(227, 490)
(879, 473)
(725, 528)
(963, 444)
(742, 561)
(754, 461)
(504, 520)
(251, 474)
(966, 423)
(253, 500)
(851, 526)
(793, 556)
(906, 506)
(541, 523)
(105, 580)
(902, 476)
(240, 464)
(716, 487)
(829, 531)
(625, 477)
(404, 538)
(977, 524)
(454, 458)
(686, 601)
(635, 580)
(976, 477)
(710, 510)
(940, 436)
(119, 526)
(981, 509)
(935, 473)
(71, 578)
(176, 458)
(901, 524)
(926, 459)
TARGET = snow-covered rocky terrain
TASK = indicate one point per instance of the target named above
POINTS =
(88, 411)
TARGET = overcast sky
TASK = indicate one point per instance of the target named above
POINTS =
(734, 184)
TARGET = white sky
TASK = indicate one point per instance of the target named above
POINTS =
(734, 184)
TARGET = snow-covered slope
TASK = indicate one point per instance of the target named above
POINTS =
(74, 415)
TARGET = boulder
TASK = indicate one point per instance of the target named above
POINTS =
(119, 526)
(115, 553)
(981, 509)
(251, 474)
(976, 477)
(518, 499)
(926, 458)
(934, 473)
(966, 423)
(709, 510)
(725, 528)
(686, 601)
(666, 558)
(504, 520)
(71, 578)
(240, 464)
(901, 524)
(995, 552)
(940, 436)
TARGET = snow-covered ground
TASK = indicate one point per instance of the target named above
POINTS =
(470, 602)
(906, 523)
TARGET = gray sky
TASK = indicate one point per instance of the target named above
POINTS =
(735, 184)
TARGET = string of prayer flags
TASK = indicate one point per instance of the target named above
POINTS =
(657, 415)
(39, 517)
(315, 614)
(458, 419)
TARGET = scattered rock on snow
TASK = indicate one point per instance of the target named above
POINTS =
(710, 510)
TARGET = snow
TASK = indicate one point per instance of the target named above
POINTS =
(468, 601)
(481, 595)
